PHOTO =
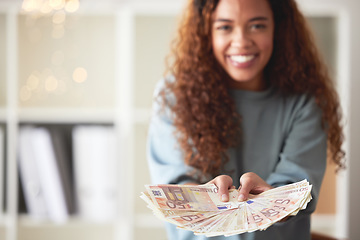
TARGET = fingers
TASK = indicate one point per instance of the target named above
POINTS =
(224, 183)
(246, 185)
(251, 183)
(224, 189)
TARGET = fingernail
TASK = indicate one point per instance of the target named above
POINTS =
(241, 197)
(224, 198)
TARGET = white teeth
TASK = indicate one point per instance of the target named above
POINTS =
(242, 58)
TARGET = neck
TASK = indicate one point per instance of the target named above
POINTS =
(256, 85)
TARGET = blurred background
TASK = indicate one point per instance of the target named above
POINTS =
(76, 85)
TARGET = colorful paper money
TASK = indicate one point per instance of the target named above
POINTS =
(199, 209)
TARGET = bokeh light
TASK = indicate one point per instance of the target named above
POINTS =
(31, 5)
(48, 6)
(59, 17)
(25, 93)
(57, 4)
(80, 75)
(45, 8)
(51, 84)
(33, 81)
(72, 6)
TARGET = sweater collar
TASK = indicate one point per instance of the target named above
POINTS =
(251, 95)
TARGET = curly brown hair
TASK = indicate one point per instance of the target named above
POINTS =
(206, 122)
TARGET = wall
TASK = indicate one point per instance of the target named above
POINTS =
(348, 60)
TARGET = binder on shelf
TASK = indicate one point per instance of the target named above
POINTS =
(61, 137)
(95, 172)
(43, 190)
(49, 175)
(30, 176)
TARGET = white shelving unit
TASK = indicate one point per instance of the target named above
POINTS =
(120, 95)
(123, 44)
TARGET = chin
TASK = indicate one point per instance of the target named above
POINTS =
(246, 82)
(241, 79)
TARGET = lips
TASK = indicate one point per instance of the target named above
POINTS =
(242, 61)
(242, 58)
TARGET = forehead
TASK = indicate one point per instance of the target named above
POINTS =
(242, 9)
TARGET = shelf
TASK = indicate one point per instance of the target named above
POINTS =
(53, 115)
(26, 221)
(72, 230)
(62, 115)
(121, 45)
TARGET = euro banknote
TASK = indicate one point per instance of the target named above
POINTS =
(199, 209)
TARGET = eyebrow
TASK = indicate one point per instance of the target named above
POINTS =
(258, 19)
(223, 20)
(251, 20)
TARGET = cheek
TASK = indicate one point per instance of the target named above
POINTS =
(267, 45)
(218, 45)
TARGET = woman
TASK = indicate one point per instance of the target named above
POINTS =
(249, 103)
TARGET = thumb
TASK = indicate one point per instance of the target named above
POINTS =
(223, 182)
(223, 191)
(245, 188)
(244, 192)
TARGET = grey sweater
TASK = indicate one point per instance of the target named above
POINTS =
(282, 141)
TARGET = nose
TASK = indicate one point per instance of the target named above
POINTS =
(241, 39)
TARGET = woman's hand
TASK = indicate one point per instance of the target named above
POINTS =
(224, 183)
(251, 183)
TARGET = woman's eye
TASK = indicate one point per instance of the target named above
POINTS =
(258, 26)
(224, 28)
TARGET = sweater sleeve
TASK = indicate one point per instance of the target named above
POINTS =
(164, 155)
(304, 152)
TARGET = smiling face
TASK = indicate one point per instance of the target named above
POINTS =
(242, 40)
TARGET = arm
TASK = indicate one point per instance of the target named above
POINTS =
(164, 155)
(304, 152)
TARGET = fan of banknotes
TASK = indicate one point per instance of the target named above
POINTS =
(198, 208)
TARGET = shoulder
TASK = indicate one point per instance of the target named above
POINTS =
(302, 113)
(163, 98)
(302, 104)
(162, 91)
